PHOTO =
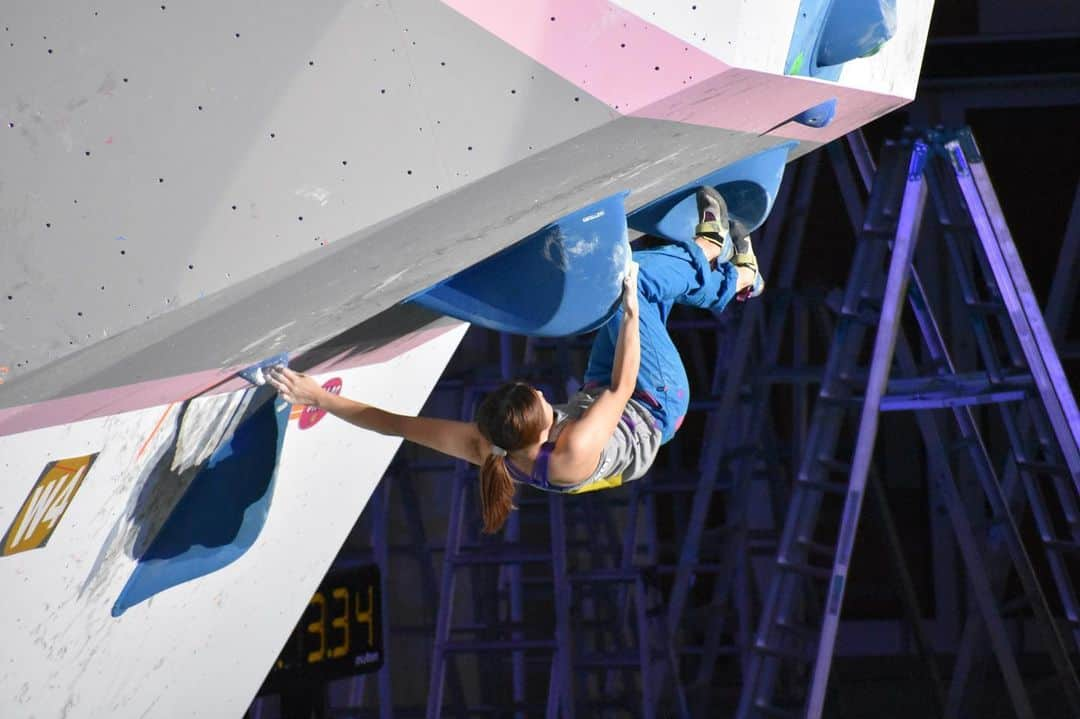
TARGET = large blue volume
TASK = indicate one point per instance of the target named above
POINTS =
(563, 280)
(748, 186)
(220, 514)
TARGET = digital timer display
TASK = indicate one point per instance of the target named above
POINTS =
(339, 634)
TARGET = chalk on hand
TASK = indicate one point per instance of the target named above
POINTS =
(256, 374)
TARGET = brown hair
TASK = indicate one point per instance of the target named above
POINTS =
(511, 417)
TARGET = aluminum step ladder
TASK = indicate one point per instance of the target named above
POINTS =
(794, 635)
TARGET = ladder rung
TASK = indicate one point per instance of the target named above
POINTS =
(618, 574)
(987, 308)
(618, 659)
(823, 550)
(782, 653)
(868, 317)
(844, 402)
(834, 466)
(879, 232)
(497, 645)
(1042, 467)
(808, 636)
(964, 444)
(803, 568)
(769, 710)
(1061, 545)
(823, 486)
(503, 556)
(724, 650)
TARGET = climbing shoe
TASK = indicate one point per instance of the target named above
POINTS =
(744, 250)
(713, 222)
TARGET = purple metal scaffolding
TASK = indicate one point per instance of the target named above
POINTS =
(801, 614)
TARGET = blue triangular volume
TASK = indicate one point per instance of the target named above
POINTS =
(220, 514)
(749, 188)
(564, 279)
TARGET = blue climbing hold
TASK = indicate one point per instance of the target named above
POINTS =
(854, 29)
(749, 188)
(817, 116)
(829, 33)
(564, 279)
(222, 511)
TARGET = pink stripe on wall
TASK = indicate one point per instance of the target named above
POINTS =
(613, 55)
(756, 102)
(608, 52)
(141, 395)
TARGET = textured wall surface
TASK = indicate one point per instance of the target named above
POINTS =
(188, 187)
(200, 648)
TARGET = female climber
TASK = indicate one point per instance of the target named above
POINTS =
(636, 390)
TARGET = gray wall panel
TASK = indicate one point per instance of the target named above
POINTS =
(343, 114)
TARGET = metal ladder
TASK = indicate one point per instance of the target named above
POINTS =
(784, 640)
(1043, 430)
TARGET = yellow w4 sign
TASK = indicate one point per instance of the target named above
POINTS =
(48, 500)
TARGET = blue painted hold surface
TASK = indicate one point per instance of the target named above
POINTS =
(749, 188)
(818, 115)
(829, 33)
(222, 512)
(564, 279)
(854, 29)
